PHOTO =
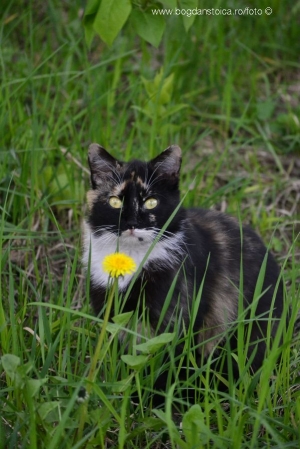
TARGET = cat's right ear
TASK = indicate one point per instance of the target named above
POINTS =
(102, 164)
(168, 162)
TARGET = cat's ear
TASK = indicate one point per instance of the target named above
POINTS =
(168, 162)
(102, 164)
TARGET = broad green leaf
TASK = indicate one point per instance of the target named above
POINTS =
(91, 7)
(265, 109)
(135, 361)
(47, 407)
(149, 26)
(15, 371)
(33, 385)
(112, 328)
(193, 424)
(88, 19)
(155, 343)
(188, 18)
(10, 363)
(120, 322)
(122, 319)
(89, 30)
(110, 19)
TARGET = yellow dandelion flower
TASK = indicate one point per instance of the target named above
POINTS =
(118, 264)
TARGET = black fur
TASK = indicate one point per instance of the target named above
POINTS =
(212, 245)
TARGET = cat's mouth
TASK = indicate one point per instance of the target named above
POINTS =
(135, 233)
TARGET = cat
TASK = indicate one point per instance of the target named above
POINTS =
(129, 204)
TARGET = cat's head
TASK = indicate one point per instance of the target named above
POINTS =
(135, 195)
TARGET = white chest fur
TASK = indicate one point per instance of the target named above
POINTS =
(135, 244)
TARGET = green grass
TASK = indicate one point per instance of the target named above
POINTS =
(228, 94)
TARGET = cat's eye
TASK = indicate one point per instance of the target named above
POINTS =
(150, 203)
(115, 202)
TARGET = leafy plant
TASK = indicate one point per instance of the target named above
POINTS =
(159, 111)
(107, 18)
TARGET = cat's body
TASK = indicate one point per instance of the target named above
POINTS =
(197, 244)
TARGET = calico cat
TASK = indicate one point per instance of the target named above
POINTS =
(129, 204)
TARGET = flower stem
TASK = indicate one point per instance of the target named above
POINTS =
(93, 368)
(93, 371)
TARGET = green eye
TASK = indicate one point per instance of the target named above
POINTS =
(151, 203)
(115, 202)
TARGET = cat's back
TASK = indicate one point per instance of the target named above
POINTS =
(226, 231)
(234, 248)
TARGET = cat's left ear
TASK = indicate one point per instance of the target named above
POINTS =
(168, 162)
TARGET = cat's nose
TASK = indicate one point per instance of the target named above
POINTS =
(132, 224)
